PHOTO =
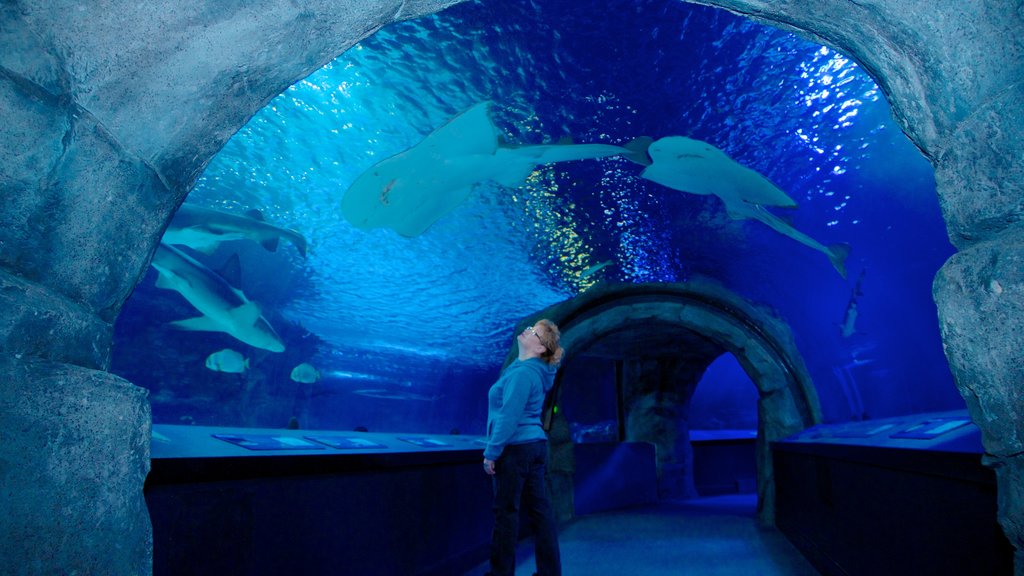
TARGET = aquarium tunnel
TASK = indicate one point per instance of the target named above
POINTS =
(287, 272)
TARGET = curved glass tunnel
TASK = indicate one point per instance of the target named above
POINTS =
(687, 326)
(408, 333)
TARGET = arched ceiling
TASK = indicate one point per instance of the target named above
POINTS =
(654, 340)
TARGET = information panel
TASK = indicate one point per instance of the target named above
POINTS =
(268, 442)
(346, 442)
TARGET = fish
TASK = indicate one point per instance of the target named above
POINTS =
(849, 325)
(305, 374)
(391, 395)
(411, 190)
(203, 229)
(693, 166)
(227, 360)
(223, 307)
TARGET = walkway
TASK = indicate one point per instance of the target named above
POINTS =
(704, 537)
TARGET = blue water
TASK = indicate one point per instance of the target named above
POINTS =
(427, 321)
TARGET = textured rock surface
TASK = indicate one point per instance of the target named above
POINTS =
(74, 453)
(35, 319)
(656, 394)
(983, 286)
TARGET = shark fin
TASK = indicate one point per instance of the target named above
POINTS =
(300, 243)
(232, 271)
(638, 150)
(270, 244)
(837, 254)
(471, 132)
(248, 313)
(740, 210)
(163, 279)
(197, 324)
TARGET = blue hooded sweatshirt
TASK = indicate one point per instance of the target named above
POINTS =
(514, 404)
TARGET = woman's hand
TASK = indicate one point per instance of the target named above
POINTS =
(489, 467)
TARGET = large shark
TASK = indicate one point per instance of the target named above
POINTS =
(224, 308)
(203, 229)
(697, 167)
(413, 189)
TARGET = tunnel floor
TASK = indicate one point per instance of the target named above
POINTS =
(701, 537)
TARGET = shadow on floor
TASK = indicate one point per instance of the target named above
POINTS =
(715, 536)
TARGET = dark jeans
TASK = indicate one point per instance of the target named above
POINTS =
(519, 473)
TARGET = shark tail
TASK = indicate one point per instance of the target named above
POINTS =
(837, 254)
(299, 241)
(270, 244)
(638, 150)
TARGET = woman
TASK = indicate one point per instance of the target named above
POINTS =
(516, 454)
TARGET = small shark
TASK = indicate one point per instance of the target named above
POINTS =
(591, 270)
(849, 326)
(224, 308)
(203, 229)
(410, 191)
(384, 394)
(697, 167)
(860, 356)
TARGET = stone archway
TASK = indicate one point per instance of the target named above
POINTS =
(760, 341)
(112, 115)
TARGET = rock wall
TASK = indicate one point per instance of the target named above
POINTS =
(74, 453)
(656, 398)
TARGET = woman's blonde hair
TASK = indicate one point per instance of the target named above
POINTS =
(550, 336)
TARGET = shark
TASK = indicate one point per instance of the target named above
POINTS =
(223, 307)
(203, 229)
(411, 190)
(849, 325)
(591, 270)
(385, 394)
(697, 167)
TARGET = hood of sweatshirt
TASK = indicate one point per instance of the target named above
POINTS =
(546, 371)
